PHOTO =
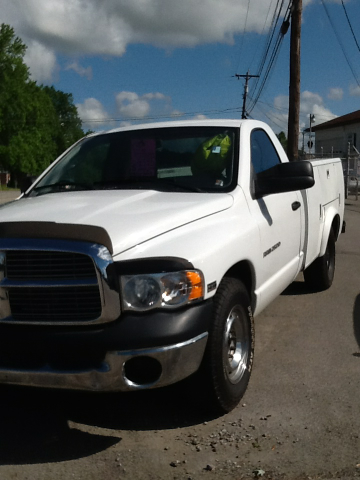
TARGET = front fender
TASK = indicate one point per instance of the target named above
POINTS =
(214, 244)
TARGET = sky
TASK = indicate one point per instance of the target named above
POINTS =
(135, 61)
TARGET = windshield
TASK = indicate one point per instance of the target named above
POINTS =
(172, 159)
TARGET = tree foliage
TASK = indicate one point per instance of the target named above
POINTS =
(283, 140)
(68, 123)
(32, 148)
(37, 123)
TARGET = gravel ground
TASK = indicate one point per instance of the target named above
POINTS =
(163, 435)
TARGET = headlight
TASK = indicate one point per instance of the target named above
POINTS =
(141, 292)
(169, 290)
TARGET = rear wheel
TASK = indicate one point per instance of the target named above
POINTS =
(230, 349)
(320, 274)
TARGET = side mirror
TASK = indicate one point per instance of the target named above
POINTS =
(284, 177)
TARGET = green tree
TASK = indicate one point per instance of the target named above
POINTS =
(14, 75)
(31, 149)
(68, 125)
(37, 123)
(27, 116)
(283, 140)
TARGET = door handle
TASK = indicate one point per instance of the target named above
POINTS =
(295, 205)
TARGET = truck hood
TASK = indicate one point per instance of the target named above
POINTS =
(130, 217)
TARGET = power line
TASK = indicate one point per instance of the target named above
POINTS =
(340, 42)
(270, 37)
(272, 119)
(352, 31)
(285, 110)
(244, 30)
(275, 18)
(275, 50)
(262, 31)
(272, 62)
(158, 117)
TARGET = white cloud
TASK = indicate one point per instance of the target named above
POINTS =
(41, 61)
(354, 90)
(313, 103)
(82, 71)
(336, 94)
(310, 103)
(128, 106)
(156, 96)
(131, 105)
(106, 27)
(92, 113)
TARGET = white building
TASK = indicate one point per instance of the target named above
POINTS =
(337, 135)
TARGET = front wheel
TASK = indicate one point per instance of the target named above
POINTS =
(320, 274)
(230, 350)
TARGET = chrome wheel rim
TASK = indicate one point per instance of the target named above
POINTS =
(236, 344)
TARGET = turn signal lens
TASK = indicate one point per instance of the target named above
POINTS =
(196, 281)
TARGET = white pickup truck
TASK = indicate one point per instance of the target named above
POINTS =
(141, 255)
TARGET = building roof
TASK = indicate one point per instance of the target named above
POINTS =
(347, 119)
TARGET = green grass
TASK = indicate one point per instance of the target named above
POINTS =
(6, 189)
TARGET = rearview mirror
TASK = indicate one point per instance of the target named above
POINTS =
(284, 177)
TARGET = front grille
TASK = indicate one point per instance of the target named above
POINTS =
(56, 304)
(35, 265)
(52, 286)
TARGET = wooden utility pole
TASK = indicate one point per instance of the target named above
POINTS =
(294, 87)
(246, 89)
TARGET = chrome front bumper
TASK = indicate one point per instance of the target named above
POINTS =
(175, 362)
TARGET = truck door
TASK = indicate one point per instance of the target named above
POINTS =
(279, 221)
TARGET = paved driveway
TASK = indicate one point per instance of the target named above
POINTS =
(8, 195)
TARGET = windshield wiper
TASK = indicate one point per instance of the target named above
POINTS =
(173, 185)
(63, 186)
(143, 184)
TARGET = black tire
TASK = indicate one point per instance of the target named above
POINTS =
(319, 275)
(230, 349)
